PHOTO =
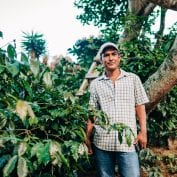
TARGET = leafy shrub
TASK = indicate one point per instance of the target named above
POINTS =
(41, 123)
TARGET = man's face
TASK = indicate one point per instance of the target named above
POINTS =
(111, 59)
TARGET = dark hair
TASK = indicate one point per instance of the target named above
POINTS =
(108, 48)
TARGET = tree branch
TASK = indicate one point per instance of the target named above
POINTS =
(159, 34)
(163, 80)
(140, 9)
(169, 4)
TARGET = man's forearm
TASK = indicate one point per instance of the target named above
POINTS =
(89, 129)
(142, 136)
(141, 114)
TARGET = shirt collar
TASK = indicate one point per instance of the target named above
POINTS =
(122, 74)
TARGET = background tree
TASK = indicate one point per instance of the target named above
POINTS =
(146, 51)
(129, 23)
(34, 44)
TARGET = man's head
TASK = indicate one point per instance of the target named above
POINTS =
(105, 47)
(109, 56)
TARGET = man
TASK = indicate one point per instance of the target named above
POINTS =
(121, 96)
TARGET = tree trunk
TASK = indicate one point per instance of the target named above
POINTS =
(159, 34)
(133, 27)
(163, 80)
(169, 4)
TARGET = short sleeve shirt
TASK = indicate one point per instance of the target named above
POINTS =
(118, 100)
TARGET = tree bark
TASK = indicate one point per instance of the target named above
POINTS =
(133, 27)
(159, 34)
(163, 80)
(169, 4)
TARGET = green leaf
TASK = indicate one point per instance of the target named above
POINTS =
(33, 121)
(11, 52)
(30, 111)
(120, 137)
(47, 79)
(24, 58)
(9, 167)
(42, 152)
(13, 68)
(22, 109)
(128, 137)
(28, 88)
(64, 160)
(35, 149)
(1, 34)
(22, 148)
(22, 168)
(2, 68)
(3, 160)
(3, 120)
(55, 149)
(74, 146)
(69, 95)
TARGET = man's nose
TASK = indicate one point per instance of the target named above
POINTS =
(110, 57)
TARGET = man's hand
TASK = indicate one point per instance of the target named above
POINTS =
(141, 139)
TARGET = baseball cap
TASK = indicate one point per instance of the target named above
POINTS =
(105, 46)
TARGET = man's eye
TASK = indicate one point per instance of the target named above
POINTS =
(106, 55)
(114, 54)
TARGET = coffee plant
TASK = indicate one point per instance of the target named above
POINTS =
(41, 122)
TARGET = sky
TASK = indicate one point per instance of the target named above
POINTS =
(55, 19)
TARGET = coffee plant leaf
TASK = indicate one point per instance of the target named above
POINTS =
(47, 79)
(11, 52)
(22, 109)
(13, 68)
(24, 58)
(30, 111)
(3, 120)
(2, 68)
(9, 167)
(3, 160)
(22, 148)
(1, 34)
(55, 149)
(22, 168)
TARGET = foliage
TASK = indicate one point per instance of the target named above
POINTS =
(164, 124)
(34, 42)
(142, 55)
(171, 163)
(42, 123)
(106, 14)
(1, 35)
(150, 163)
(86, 49)
(144, 60)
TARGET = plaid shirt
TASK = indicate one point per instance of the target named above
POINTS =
(118, 101)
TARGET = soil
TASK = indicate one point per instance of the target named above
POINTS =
(163, 152)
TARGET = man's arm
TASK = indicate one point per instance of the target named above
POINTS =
(142, 136)
(89, 130)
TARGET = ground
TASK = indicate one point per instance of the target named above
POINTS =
(167, 163)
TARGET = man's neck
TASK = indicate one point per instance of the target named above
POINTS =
(113, 75)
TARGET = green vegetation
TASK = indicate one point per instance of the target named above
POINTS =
(42, 122)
